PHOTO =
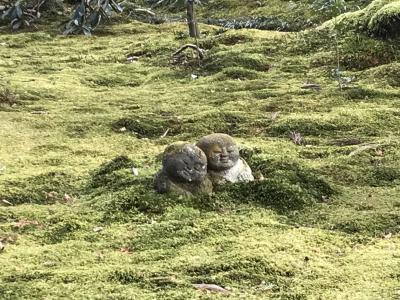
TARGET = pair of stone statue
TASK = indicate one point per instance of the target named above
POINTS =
(194, 169)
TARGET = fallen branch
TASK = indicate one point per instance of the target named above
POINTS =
(364, 148)
(200, 52)
(143, 10)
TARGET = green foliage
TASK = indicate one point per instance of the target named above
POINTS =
(22, 13)
(89, 14)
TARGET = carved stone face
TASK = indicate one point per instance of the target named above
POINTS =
(221, 151)
(185, 163)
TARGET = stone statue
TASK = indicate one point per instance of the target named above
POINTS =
(224, 161)
(184, 171)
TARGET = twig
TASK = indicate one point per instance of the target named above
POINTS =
(143, 10)
(165, 134)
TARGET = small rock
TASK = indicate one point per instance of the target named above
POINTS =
(67, 198)
(135, 171)
(387, 236)
(98, 229)
(258, 176)
(131, 59)
(1, 246)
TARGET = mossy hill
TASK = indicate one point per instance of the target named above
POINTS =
(76, 115)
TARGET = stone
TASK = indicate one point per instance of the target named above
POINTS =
(184, 171)
(224, 161)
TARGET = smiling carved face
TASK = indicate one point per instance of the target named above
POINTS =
(221, 151)
(186, 163)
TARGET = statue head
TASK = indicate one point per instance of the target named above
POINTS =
(185, 163)
(221, 151)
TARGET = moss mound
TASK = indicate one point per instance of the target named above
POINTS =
(152, 126)
(390, 73)
(41, 189)
(287, 187)
(381, 18)
(385, 23)
(112, 173)
(230, 59)
(377, 166)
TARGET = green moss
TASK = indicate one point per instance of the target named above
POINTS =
(389, 73)
(313, 228)
(42, 189)
(152, 126)
(385, 22)
(223, 60)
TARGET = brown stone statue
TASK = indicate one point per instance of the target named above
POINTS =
(184, 171)
(224, 162)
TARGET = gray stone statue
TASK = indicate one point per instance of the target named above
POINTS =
(224, 161)
(184, 171)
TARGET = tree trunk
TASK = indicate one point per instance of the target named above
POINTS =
(191, 19)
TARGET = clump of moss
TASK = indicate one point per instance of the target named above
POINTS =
(359, 93)
(112, 173)
(59, 229)
(389, 73)
(308, 126)
(8, 97)
(227, 122)
(371, 223)
(123, 202)
(385, 23)
(237, 73)
(152, 280)
(368, 168)
(359, 52)
(222, 60)
(357, 20)
(114, 80)
(286, 187)
(250, 270)
(41, 189)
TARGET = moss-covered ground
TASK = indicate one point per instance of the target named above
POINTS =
(76, 116)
